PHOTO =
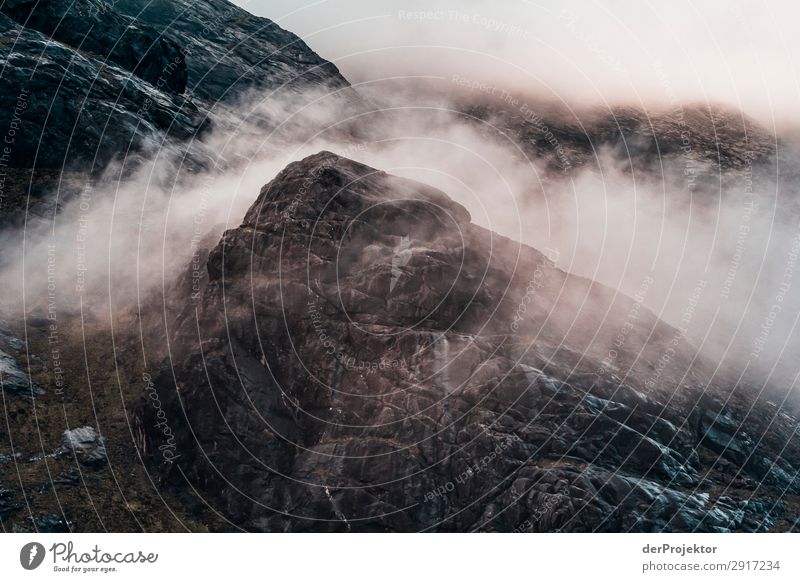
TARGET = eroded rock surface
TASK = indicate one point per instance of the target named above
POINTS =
(14, 381)
(86, 83)
(86, 444)
(361, 357)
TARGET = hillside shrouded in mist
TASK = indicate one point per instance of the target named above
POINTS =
(739, 53)
(529, 267)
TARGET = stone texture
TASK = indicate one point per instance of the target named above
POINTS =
(88, 446)
(14, 380)
(335, 387)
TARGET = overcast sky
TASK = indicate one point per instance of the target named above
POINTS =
(743, 53)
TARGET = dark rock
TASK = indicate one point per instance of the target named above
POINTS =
(7, 504)
(93, 26)
(14, 380)
(707, 137)
(86, 444)
(358, 371)
(230, 51)
(10, 342)
(47, 523)
(65, 109)
(86, 83)
(67, 478)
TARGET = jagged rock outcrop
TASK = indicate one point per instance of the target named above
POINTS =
(88, 82)
(93, 26)
(65, 109)
(360, 357)
(13, 380)
(232, 51)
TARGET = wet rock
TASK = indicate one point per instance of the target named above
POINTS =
(7, 504)
(97, 109)
(230, 51)
(723, 434)
(14, 380)
(10, 342)
(85, 83)
(47, 523)
(93, 26)
(86, 444)
(357, 341)
(762, 514)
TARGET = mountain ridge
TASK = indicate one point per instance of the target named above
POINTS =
(374, 401)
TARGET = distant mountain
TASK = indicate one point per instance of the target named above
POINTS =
(708, 137)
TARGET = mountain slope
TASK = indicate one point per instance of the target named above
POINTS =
(87, 82)
(358, 356)
(232, 51)
(705, 140)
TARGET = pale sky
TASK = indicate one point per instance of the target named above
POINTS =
(739, 52)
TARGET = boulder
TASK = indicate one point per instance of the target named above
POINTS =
(86, 444)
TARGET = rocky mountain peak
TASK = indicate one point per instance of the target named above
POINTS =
(357, 354)
(326, 187)
(358, 344)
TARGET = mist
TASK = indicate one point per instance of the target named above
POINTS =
(742, 54)
(121, 241)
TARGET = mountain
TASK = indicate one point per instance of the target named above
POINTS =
(88, 82)
(359, 356)
(704, 139)
(94, 27)
(232, 51)
(90, 91)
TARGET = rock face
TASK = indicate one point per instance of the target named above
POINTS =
(14, 381)
(93, 26)
(360, 357)
(86, 444)
(87, 82)
(230, 50)
(64, 108)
